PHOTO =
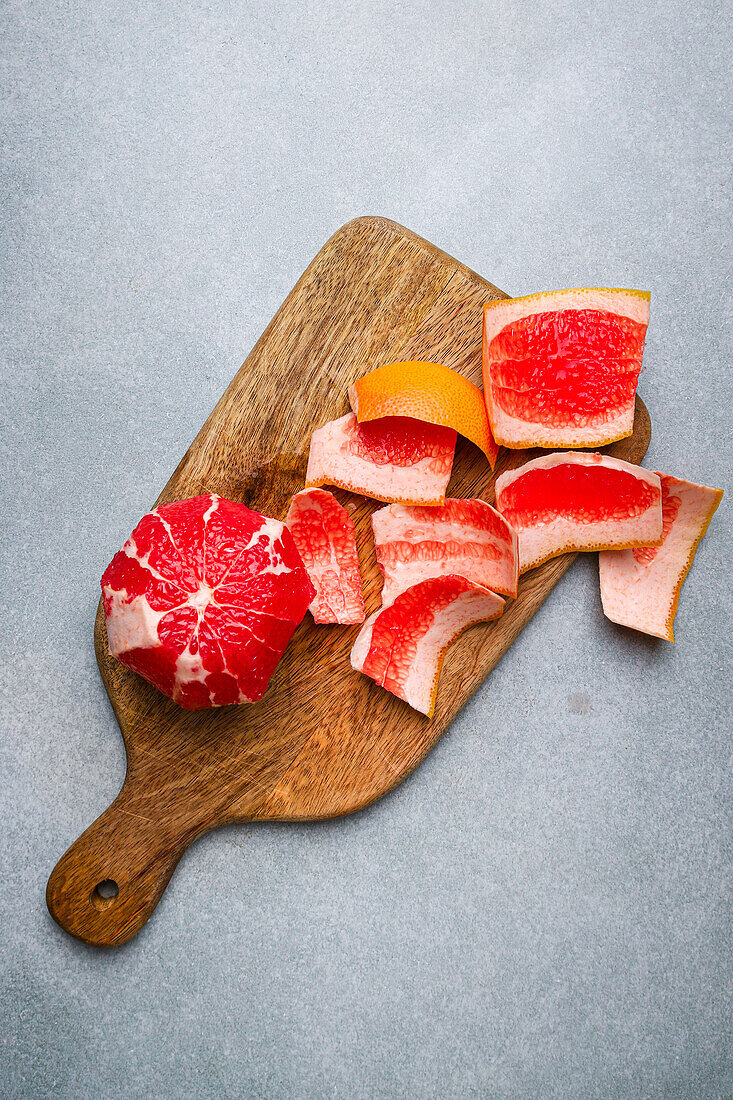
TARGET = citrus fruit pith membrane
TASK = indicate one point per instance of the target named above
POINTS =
(323, 532)
(396, 459)
(402, 646)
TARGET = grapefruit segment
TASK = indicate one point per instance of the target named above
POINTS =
(561, 368)
(430, 392)
(466, 537)
(640, 588)
(402, 646)
(323, 532)
(395, 459)
(203, 598)
(568, 501)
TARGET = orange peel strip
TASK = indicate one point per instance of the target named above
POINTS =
(430, 392)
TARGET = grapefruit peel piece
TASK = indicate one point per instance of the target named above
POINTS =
(570, 501)
(560, 368)
(430, 392)
(641, 588)
(323, 532)
(466, 537)
(395, 459)
(402, 646)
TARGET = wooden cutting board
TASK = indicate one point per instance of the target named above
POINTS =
(325, 740)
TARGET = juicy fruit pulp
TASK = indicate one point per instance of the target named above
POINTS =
(323, 532)
(671, 502)
(585, 492)
(640, 588)
(567, 502)
(563, 366)
(430, 392)
(466, 537)
(561, 369)
(203, 598)
(394, 459)
(402, 646)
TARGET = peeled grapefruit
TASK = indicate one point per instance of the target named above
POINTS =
(561, 368)
(203, 598)
(402, 646)
(467, 537)
(569, 501)
(430, 392)
(393, 459)
(641, 588)
(323, 532)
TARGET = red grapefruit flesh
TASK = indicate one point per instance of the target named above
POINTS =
(566, 502)
(641, 588)
(467, 537)
(561, 368)
(392, 459)
(323, 532)
(402, 646)
(203, 598)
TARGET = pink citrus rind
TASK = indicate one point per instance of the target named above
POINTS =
(333, 461)
(402, 646)
(519, 433)
(633, 304)
(463, 536)
(644, 594)
(540, 541)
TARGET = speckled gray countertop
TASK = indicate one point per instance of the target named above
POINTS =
(540, 910)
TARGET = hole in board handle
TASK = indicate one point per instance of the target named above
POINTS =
(104, 894)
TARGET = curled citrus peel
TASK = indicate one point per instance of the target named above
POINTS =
(467, 537)
(402, 646)
(560, 369)
(430, 392)
(573, 501)
(393, 459)
(641, 588)
(323, 533)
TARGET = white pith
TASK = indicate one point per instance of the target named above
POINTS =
(633, 304)
(518, 434)
(469, 607)
(573, 458)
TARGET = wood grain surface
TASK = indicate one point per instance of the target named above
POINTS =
(325, 740)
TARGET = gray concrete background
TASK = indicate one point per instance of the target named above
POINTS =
(540, 911)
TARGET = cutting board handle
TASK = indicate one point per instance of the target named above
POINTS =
(107, 884)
